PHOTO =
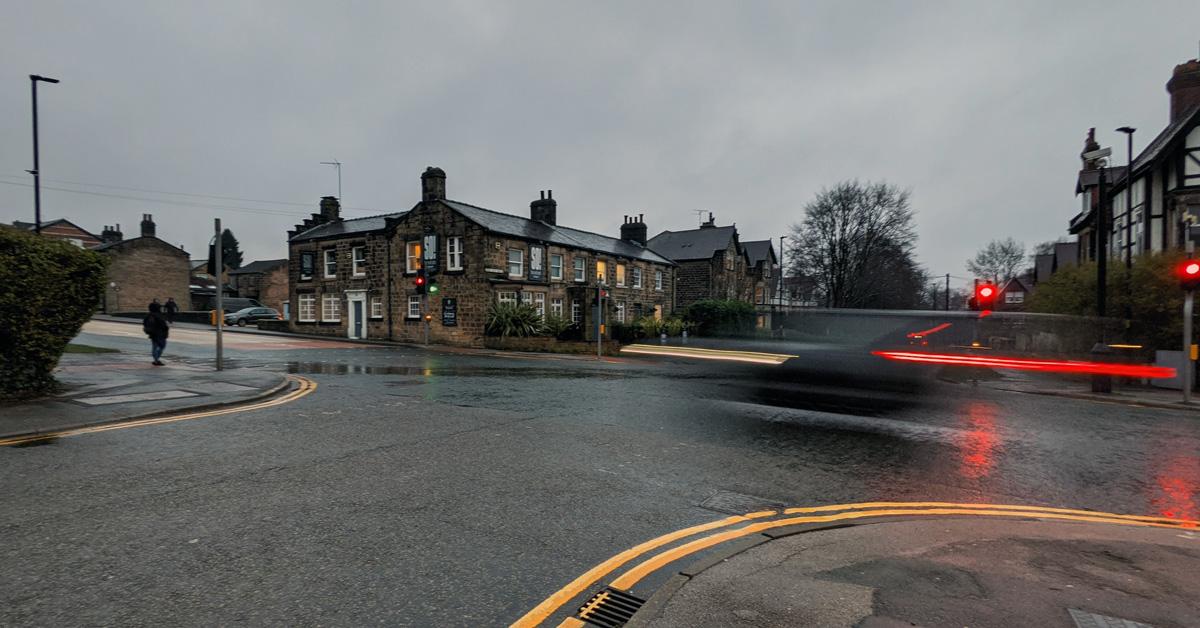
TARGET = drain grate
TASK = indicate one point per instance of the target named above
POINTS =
(1084, 619)
(610, 608)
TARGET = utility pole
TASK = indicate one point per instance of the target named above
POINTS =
(218, 266)
(1188, 298)
(947, 292)
(336, 164)
(37, 168)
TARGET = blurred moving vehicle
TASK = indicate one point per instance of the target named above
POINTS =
(251, 315)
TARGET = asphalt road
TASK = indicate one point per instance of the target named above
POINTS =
(423, 487)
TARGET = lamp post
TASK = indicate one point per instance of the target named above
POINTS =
(782, 270)
(37, 170)
(1128, 131)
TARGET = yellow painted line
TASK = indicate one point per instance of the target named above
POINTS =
(551, 604)
(635, 575)
(307, 386)
(571, 622)
(1069, 511)
(709, 354)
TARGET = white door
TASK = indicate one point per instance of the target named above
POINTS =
(357, 306)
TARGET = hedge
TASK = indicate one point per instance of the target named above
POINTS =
(48, 289)
(719, 317)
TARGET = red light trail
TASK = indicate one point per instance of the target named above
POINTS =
(1030, 364)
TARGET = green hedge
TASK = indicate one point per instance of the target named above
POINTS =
(48, 289)
(718, 317)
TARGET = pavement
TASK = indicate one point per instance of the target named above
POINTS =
(99, 388)
(968, 571)
(1080, 388)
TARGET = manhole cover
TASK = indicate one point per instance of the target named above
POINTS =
(1084, 619)
(739, 503)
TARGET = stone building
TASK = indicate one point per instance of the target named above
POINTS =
(143, 269)
(711, 263)
(265, 281)
(63, 229)
(357, 277)
(763, 271)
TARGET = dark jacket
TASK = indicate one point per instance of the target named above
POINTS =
(155, 326)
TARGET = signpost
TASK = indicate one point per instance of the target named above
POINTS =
(219, 266)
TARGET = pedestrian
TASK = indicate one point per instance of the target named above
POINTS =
(172, 307)
(156, 328)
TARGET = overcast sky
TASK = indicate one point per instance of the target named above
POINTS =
(745, 109)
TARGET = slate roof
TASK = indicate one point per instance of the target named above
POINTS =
(109, 245)
(1088, 178)
(340, 228)
(692, 244)
(758, 251)
(1166, 138)
(517, 226)
(260, 266)
(29, 226)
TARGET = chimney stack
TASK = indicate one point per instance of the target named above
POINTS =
(544, 209)
(634, 229)
(433, 184)
(111, 235)
(710, 223)
(331, 209)
(1184, 88)
(147, 226)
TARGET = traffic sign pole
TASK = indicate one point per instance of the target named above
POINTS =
(1187, 327)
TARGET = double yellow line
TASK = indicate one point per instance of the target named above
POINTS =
(754, 357)
(730, 528)
(306, 387)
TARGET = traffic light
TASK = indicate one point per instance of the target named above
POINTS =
(419, 281)
(431, 285)
(985, 296)
(1188, 272)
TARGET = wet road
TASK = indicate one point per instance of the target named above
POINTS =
(423, 488)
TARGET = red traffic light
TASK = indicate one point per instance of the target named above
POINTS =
(420, 281)
(985, 296)
(986, 291)
(1188, 272)
(1190, 269)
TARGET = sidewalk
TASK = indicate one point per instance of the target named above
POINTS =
(112, 387)
(943, 572)
(1129, 395)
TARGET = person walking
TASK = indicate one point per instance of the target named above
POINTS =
(171, 307)
(156, 328)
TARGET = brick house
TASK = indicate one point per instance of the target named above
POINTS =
(711, 263)
(762, 270)
(356, 277)
(63, 229)
(265, 281)
(143, 269)
(1014, 293)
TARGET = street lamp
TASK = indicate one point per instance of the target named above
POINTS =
(36, 172)
(782, 270)
(1128, 131)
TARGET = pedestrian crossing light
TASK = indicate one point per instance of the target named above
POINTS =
(431, 286)
(1189, 274)
(419, 281)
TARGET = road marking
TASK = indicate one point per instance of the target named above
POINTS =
(856, 511)
(755, 357)
(307, 386)
(551, 604)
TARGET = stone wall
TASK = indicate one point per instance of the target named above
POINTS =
(145, 269)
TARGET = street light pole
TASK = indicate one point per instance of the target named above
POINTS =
(782, 271)
(1128, 131)
(37, 169)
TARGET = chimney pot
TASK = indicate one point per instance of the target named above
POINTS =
(634, 231)
(331, 209)
(544, 209)
(549, 194)
(148, 230)
(1184, 88)
(433, 184)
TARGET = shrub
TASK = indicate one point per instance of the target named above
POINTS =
(512, 319)
(48, 290)
(555, 326)
(673, 326)
(627, 333)
(717, 317)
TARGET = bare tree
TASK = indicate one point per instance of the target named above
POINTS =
(999, 260)
(856, 242)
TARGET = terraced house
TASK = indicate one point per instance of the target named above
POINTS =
(357, 277)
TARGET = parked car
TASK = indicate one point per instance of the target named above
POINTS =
(233, 304)
(251, 315)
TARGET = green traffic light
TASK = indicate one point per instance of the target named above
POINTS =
(433, 289)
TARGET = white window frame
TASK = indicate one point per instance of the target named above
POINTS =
(556, 270)
(576, 311)
(658, 279)
(539, 303)
(336, 311)
(454, 253)
(414, 307)
(306, 303)
(508, 297)
(304, 277)
(637, 277)
(520, 263)
(376, 307)
(620, 311)
(579, 264)
(620, 275)
(358, 261)
(328, 258)
(556, 307)
(412, 257)
(1014, 296)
